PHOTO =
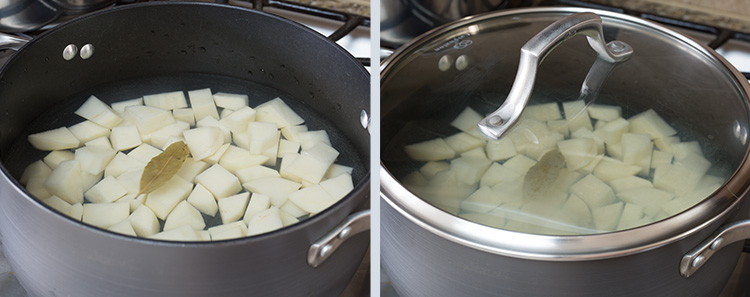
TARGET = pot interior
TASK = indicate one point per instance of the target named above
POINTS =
(424, 90)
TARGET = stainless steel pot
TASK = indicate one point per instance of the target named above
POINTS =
(428, 250)
(140, 50)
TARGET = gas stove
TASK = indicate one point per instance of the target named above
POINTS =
(344, 22)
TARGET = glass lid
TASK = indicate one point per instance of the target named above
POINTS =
(600, 146)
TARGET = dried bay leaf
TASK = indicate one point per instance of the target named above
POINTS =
(543, 174)
(163, 167)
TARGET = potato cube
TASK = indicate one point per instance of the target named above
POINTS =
(481, 201)
(144, 221)
(292, 209)
(123, 227)
(585, 133)
(55, 157)
(134, 201)
(605, 112)
(184, 214)
(255, 172)
(264, 221)
(203, 142)
(593, 191)
(184, 115)
(431, 168)
(336, 170)
(275, 187)
(119, 107)
(545, 144)
(122, 163)
(211, 122)
(611, 132)
(578, 152)
(57, 204)
(104, 215)
(543, 112)
(231, 101)
(659, 158)
(338, 187)
(308, 139)
(467, 120)
(36, 188)
(202, 199)
(102, 142)
(577, 210)
(166, 101)
(680, 150)
(55, 139)
(277, 111)
(257, 204)
(629, 182)
(164, 199)
(35, 169)
(94, 159)
(148, 119)
(288, 147)
(233, 207)
(131, 180)
(105, 191)
(649, 122)
(632, 216)
(219, 181)
(191, 168)
(682, 177)
(501, 149)
(649, 198)
(287, 219)
(559, 126)
(462, 142)
(202, 102)
(470, 169)
(635, 148)
(520, 164)
(292, 132)
(609, 169)
(606, 217)
(87, 130)
(214, 159)
(65, 182)
(228, 231)
(144, 153)
(577, 115)
(431, 150)
(665, 143)
(238, 121)
(98, 112)
(160, 137)
(312, 164)
(184, 233)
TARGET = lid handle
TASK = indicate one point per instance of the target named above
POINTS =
(533, 53)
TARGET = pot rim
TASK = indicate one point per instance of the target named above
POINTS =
(359, 192)
(714, 208)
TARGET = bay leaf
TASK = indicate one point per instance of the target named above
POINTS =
(163, 167)
(543, 174)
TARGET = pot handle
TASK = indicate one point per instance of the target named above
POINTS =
(533, 53)
(12, 42)
(324, 247)
(731, 233)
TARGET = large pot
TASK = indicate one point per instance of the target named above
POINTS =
(437, 247)
(156, 47)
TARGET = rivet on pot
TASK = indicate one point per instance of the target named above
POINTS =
(698, 261)
(69, 52)
(462, 62)
(445, 63)
(717, 243)
(325, 250)
(364, 119)
(87, 51)
(345, 233)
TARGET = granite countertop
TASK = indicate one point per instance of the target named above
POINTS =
(725, 14)
(358, 7)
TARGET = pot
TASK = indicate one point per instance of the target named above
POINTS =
(156, 47)
(441, 238)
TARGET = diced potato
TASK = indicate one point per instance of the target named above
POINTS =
(431, 150)
(119, 107)
(288, 147)
(313, 199)
(214, 159)
(160, 137)
(202, 199)
(336, 170)
(98, 112)
(102, 142)
(338, 187)
(94, 159)
(292, 132)
(148, 119)
(467, 120)
(166, 101)
(219, 181)
(649, 122)
(611, 132)
(257, 204)
(482, 200)
(105, 191)
(585, 133)
(265, 221)
(665, 143)
(501, 149)
(184, 115)
(238, 121)
(520, 164)
(131, 180)
(211, 122)
(650, 199)
(470, 169)
(659, 158)
(313, 164)
(609, 169)
(635, 148)
(184, 233)
(57, 204)
(228, 231)
(123, 227)
(683, 176)
(632, 215)
(546, 143)
(462, 142)
(559, 126)
(680, 150)
(277, 111)
(592, 165)
(605, 112)
(543, 112)
(565, 179)
(144, 221)
(577, 116)
(36, 188)
(65, 182)
(55, 139)
(287, 219)
(55, 157)
(203, 142)
(578, 152)
(164, 199)
(104, 215)
(629, 182)
(593, 191)
(606, 217)
(231, 101)
(184, 214)
(191, 168)
(202, 102)
(76, 211)
(431, 168)
(134, 201)
(255, 172)
(233, 207)
(122, 163)
(87, 130)
(144, 153)
(577, 210)
(292, 209)
(308, 139)
(35, 169)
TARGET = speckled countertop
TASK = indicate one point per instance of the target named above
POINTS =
(726, 14)
(359, 7)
